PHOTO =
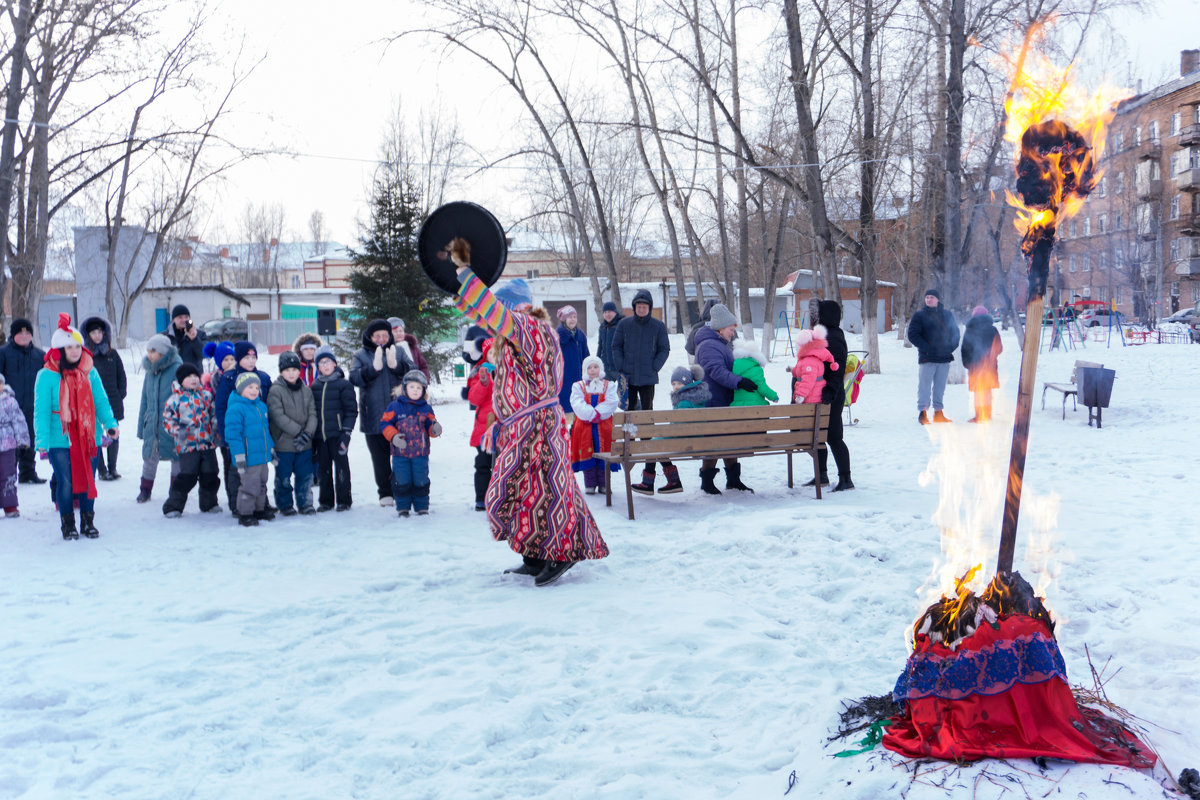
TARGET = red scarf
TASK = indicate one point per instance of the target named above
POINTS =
(77, 413)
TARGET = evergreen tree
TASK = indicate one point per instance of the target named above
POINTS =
(387, 280)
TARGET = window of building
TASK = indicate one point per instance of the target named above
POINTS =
(1137, 135)
(531, 273)
(1118, 221)
(1102, 293)
(1087, 263)
(1155, 171)
(1102, 261)
(1103, 188)
(1194, 158)
(1118, 141)
(1087, 226)
(1176, 121)
(1175, 207)
(1073, 230)
(1195, 292)
(1102, 223)
(1174, 250)
(295, 281)
(1175, 163)
(1154, 131)
(1120, 183)
(1174, 288)
(1071, 264)
(1087, 292)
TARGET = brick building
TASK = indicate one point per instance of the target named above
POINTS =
(1136, 242)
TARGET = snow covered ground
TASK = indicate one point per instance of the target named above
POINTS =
(357, 655)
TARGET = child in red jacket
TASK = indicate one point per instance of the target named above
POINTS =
(479, 394)
(812, 354)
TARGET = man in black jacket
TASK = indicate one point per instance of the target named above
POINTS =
(934, 332)
(19, 363)
(610, 317)
(640, 348)
(187, 338)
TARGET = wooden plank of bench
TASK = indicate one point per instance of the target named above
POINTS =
(798, 411)
(716, 427)
(694, 444)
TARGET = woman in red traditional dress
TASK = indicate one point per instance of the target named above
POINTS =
(594, 400)
(533, 501)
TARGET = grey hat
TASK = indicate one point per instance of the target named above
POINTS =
(324, 351)
(245, 379)
(721, 317)
(396, 322)
(686, 375)
(415, 375)
(159, 344)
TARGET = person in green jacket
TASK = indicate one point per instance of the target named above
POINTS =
(748, 362)
(71, 412)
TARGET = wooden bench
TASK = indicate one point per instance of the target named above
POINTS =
(1068, 389)
(700, 433)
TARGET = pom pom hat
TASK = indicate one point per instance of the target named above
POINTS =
(980, 311)
(245, 379)
(64, 334)
(806, 336)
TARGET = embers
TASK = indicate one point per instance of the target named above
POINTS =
(949, 620)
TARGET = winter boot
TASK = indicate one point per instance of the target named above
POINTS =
(68, 526)
(144, 492)
(647, 484)
(813, 482)
(529, 566)
(247, 520)
(706, 480)
(671, 473)
(921, 418)
(733, 479)
(553, 571)
(938, 416)
(266, 515)
(844, 483)
(87, 524)
(102, 474)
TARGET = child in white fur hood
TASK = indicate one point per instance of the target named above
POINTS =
(748, 362)
(812, 354)
(593, 400)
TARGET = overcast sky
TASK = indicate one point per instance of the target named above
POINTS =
(327, 86)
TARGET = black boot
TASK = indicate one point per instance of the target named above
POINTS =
(68, 526)
(102, 474)
(647, 484)
(813, 482)
(529, 566)
(844, 483)
(733, 479)
(706, 481)
(553, 571)
(88, 525)
(247, 520)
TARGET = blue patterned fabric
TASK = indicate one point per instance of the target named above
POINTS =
(988, 670)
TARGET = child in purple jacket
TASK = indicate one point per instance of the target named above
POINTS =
(14, 433)
(408, 424)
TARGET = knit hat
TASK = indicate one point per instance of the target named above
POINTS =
(324, 352)
(566, 311)
(933, 292)
(485, 347)
(210, 349)
(721, 317)
(396, 322)
(415, 375)
(587, 362)
(514, 294)
(980, 311)
(374, 326)
(288, 360)
(686, 375)
(159, 344)
(609, 306)
(245, 379)
(221, 351)
(243, 348)
(65, 335)
(18, 325)
(806, 336)
(180, 310)
(183, 370)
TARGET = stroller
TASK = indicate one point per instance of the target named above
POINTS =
(856, 368)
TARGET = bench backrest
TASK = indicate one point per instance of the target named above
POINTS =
(702, 432)
(1082, 365)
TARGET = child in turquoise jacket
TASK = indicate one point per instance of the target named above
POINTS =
(248, 435)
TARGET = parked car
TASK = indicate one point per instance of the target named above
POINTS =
(1097, 317)
(1189, 317)
(228, 329)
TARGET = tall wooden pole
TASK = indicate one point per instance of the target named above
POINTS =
(1039, 271)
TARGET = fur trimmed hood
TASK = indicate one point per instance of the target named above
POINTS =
(748, 350)
(306, 338)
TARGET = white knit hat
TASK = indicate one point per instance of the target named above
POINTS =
(64, 334)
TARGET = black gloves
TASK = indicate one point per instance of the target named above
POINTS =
(345, 444)
(303, 440)
(747, 385)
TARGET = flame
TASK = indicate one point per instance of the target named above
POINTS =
(1058, 130)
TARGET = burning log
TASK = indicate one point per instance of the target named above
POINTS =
(1055, 172)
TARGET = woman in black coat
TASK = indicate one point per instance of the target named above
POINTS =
(829, 314)
(97, 334)
(376, 370)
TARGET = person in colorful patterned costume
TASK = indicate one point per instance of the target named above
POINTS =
(533, 502)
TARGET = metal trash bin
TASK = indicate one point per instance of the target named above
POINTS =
(1095, 390)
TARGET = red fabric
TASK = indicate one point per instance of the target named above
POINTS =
(582, 444)
(1025, 721)
(77, 413)
(479, 394)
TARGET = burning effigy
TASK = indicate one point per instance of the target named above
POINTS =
(985, 678)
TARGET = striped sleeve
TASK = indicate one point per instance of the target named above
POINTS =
(477, 302)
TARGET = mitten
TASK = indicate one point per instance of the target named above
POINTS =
(240, 461)
(344, 444)
(747, 385)
(435, 430)
(391, 357)
(399, 442)
(378, 360)
(303, 440)
(464, 393)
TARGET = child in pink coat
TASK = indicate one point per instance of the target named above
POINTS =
(812, 354)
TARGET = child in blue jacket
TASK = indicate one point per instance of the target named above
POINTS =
(248, 436)
(408, 424)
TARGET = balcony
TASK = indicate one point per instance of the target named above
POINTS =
(1190, 135)
(1188, 180)
(1188, 266)
(1148, 188)
(1190, 225)
(1149, 149)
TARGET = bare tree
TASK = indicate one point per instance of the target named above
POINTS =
(317, 232)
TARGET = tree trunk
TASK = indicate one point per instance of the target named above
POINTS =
(743, 218)
(869, 291)
(12, 109)
(954, 125)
